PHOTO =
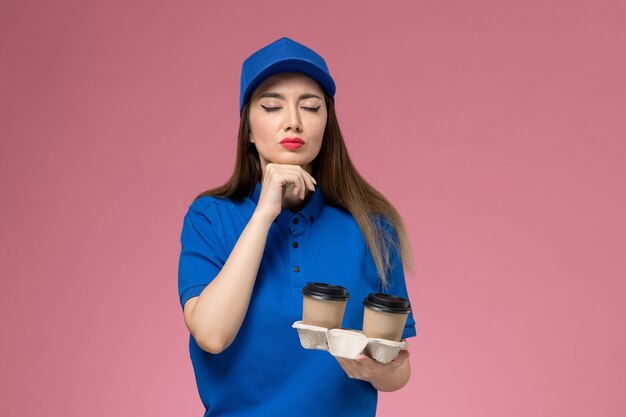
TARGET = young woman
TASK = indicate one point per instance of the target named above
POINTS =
(295, 210)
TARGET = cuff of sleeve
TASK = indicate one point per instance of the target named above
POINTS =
(190, 293)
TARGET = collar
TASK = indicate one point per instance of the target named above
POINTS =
(310, 210)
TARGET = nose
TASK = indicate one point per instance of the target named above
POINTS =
(293, 120)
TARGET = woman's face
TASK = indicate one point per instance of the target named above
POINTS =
(287, 105)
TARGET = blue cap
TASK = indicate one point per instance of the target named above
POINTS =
(283, 55)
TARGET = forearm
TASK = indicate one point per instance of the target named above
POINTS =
(221, 307)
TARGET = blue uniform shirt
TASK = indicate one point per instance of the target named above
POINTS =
(265, 371)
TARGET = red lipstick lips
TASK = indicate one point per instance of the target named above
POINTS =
(292, 140)
(292, 143)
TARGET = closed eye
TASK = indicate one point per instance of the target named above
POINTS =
(271, 109)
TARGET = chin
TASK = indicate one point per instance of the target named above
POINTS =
(291, 161)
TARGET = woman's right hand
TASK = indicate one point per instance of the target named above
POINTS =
(278, 180)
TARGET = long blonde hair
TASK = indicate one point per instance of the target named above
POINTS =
(341, 186)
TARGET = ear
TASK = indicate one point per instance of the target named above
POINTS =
(250, 138)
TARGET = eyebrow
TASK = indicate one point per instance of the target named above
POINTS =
(277, 95)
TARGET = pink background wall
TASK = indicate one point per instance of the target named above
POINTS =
(497, 128)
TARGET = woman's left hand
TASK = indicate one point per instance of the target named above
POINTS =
(384, 377)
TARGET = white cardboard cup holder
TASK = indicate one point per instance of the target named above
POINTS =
(347, 343)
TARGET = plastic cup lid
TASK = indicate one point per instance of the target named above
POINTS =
(387, 303)
(324, 291)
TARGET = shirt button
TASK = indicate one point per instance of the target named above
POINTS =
(294, 244)
(295, 220)
(296, 268)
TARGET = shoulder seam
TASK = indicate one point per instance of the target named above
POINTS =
(211, 201)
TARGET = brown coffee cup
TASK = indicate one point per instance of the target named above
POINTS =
(323, 305)
(384, 316)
